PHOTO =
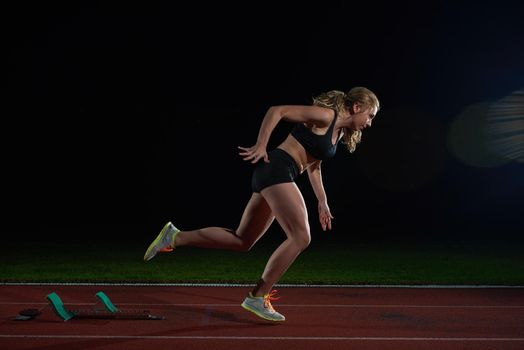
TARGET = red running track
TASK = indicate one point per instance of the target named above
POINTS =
(317, 318)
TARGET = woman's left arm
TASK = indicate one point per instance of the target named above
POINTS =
(315, 178)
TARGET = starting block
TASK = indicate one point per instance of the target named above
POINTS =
(110, 312)
(58, 307)
(104, 299)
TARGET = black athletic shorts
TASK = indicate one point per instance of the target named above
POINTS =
(281, 168)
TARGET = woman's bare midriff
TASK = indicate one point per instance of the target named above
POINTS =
(297, 151)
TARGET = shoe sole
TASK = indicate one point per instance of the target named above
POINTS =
(259, 314)
(155, 242)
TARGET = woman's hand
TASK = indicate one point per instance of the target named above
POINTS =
(254, 153)
(324, 215)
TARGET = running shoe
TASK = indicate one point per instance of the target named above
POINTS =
(261, 306)
(163, 242)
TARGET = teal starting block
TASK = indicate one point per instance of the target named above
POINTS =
(111, 311)
(106, 302)
(58, 307)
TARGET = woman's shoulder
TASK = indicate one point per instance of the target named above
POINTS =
(310, 115)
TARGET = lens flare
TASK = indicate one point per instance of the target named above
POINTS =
(491, 133)
(468, 138)
(505, 129)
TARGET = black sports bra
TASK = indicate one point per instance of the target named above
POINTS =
(319, 146)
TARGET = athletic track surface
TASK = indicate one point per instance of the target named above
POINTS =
(317, 318)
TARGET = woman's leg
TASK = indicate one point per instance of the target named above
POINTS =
(256, 219)
(287, 204)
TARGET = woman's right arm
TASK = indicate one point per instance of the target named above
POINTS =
(270, 121)
(258, 151)
(298, 114)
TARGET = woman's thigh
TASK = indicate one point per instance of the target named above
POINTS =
(256, 219)
(288, 206)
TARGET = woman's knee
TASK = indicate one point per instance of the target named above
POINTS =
(245, 246)
(302, 239)
(245, 241)
(242, 244)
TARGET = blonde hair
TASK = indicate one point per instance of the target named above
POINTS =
(339, 100)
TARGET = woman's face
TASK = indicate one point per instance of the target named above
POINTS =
(362, 116)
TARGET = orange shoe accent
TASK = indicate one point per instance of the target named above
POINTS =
(268, 298)
(166, 250)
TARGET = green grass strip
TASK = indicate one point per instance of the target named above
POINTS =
(321, 263)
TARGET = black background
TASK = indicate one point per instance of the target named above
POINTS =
(121, 116)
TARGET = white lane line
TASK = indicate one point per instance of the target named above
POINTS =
(168, 337)
(244, 285)
(300, 305)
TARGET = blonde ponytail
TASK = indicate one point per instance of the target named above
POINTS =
(338, 101)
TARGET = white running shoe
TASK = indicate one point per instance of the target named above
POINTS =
(165, 239)
(261, 306)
